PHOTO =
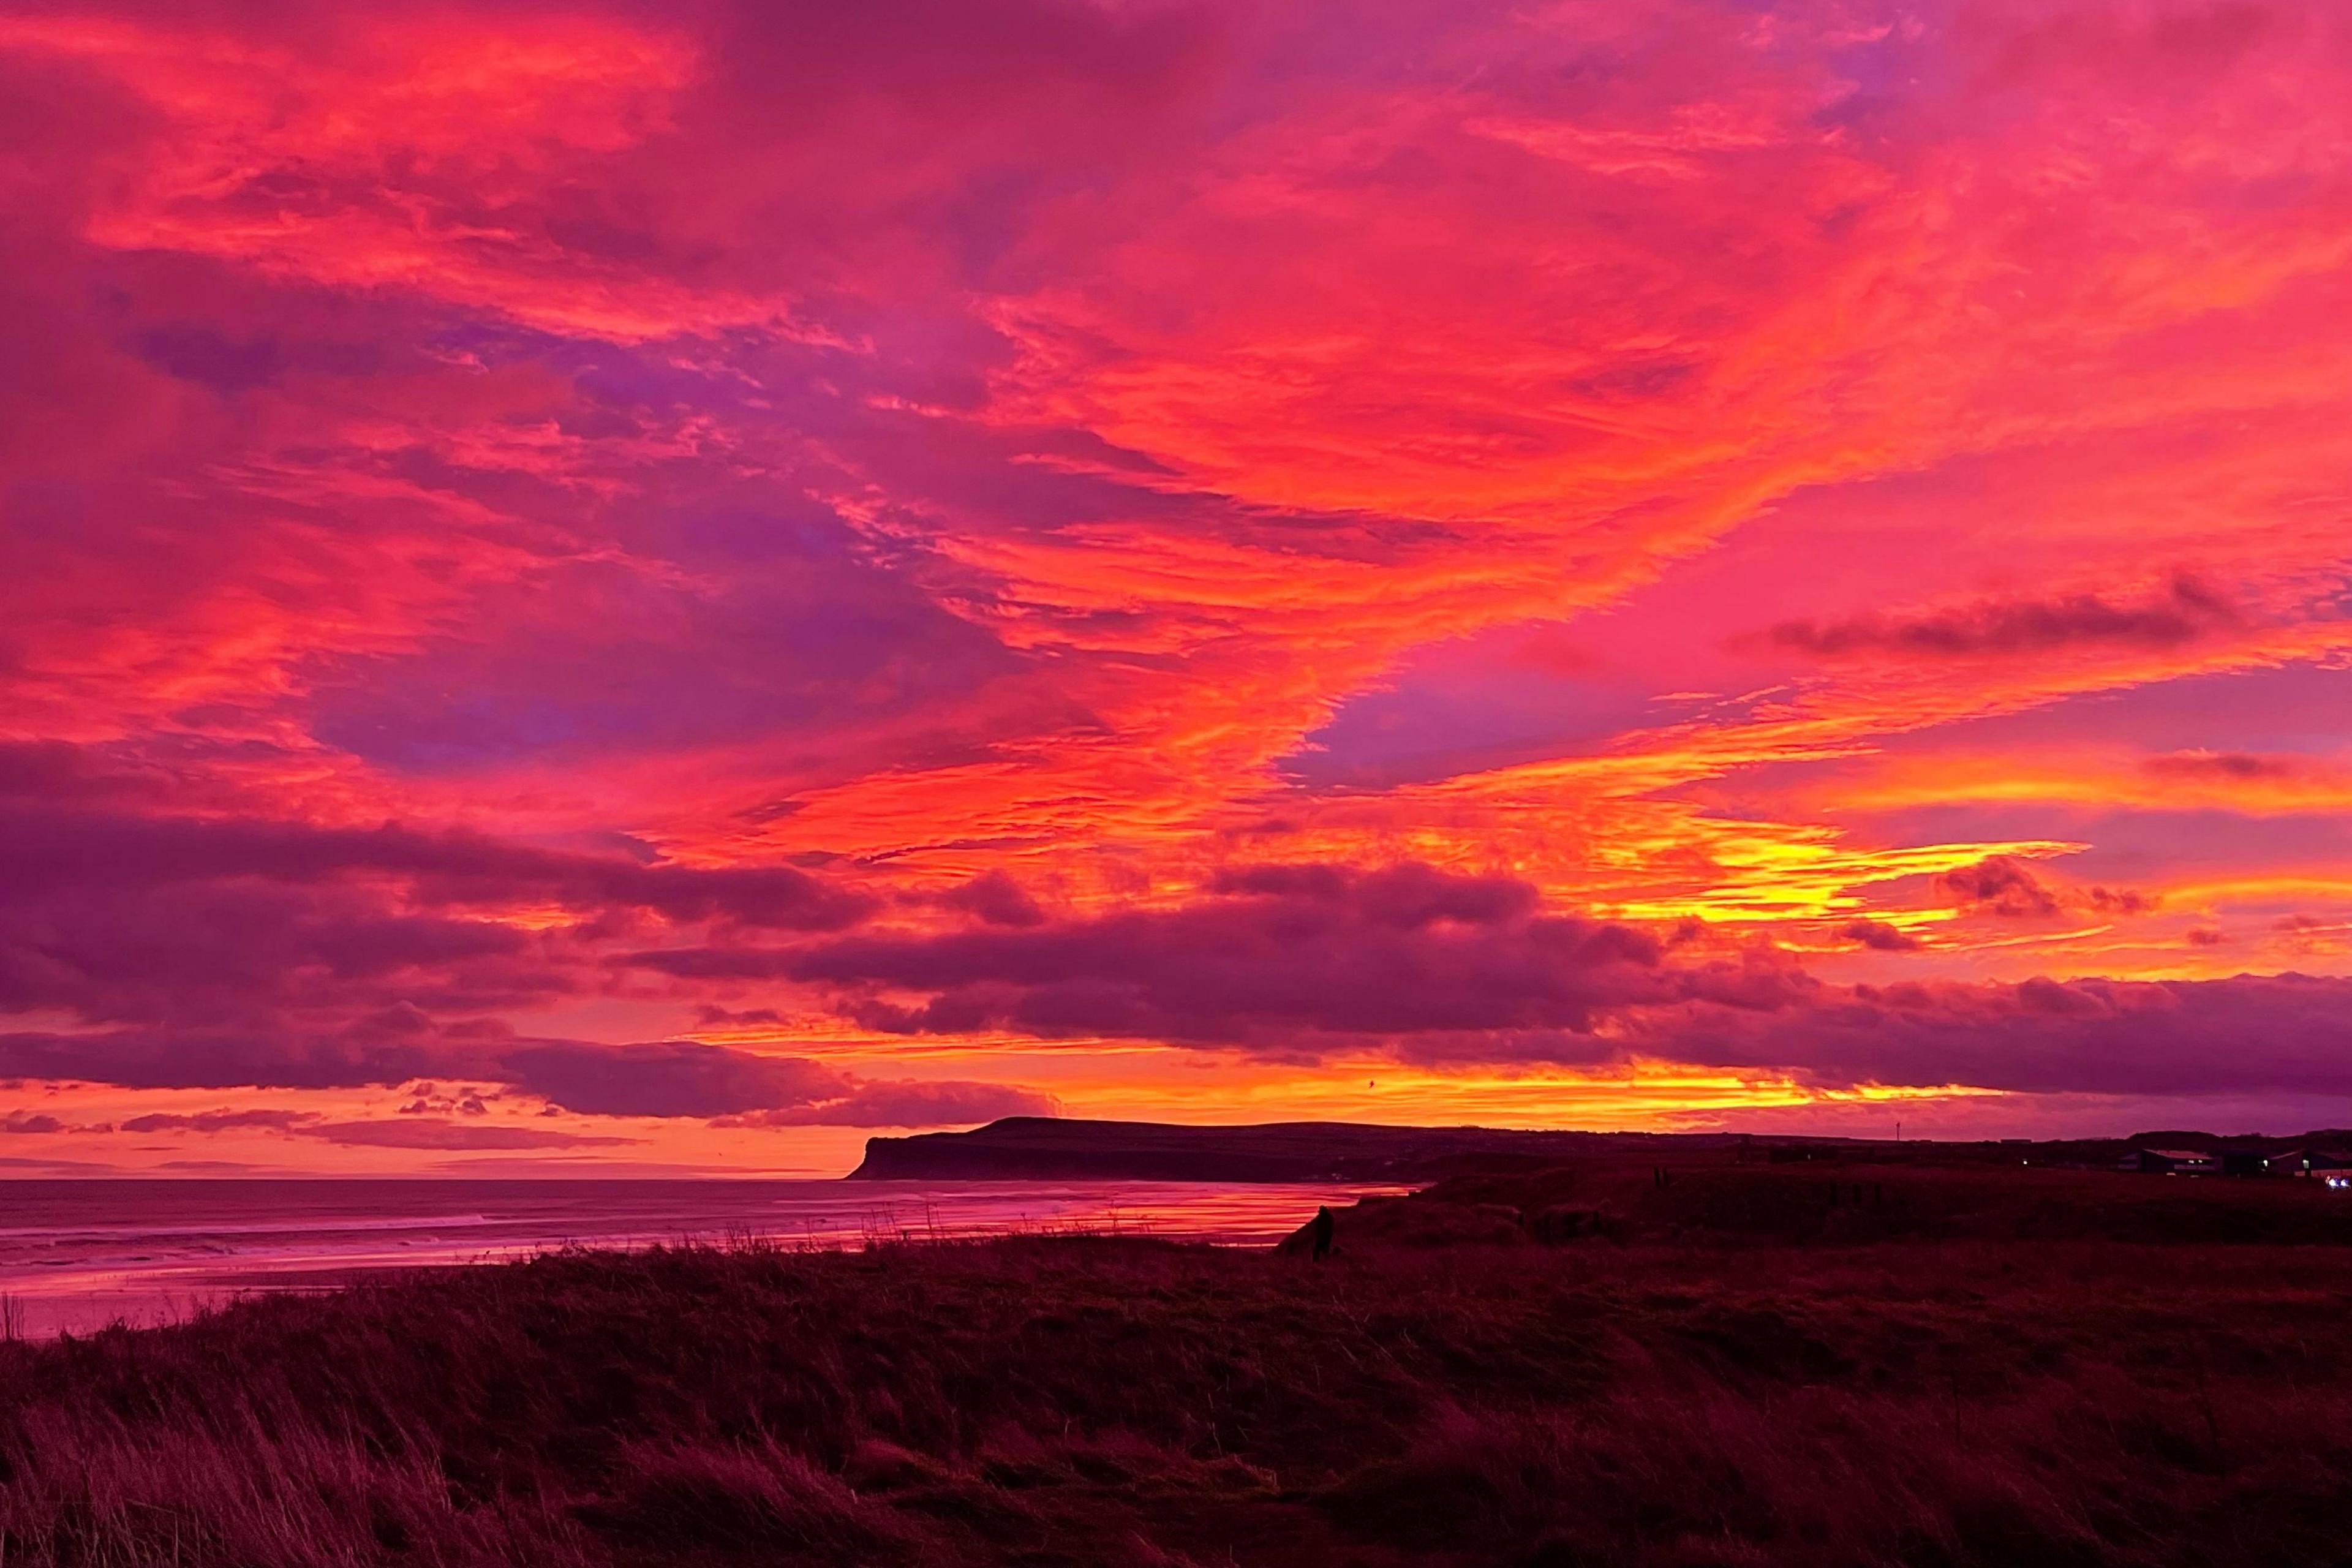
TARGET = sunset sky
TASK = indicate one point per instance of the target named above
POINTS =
(672, 587)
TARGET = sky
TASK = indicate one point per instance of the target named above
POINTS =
(668, 588)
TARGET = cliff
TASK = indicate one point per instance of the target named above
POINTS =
(1053, 1149)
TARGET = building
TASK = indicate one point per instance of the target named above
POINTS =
(2172, 1162)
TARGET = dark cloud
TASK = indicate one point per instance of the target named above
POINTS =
(2000, 885)
(2224, 766)
(2005, 887)
(219, 951)
(994, 898)
(711, 1016)
(30, 1122)
(670, 1077)
(2185, 613)
(1407, 895)
(430, 1102)
(2250, 1033)
(43, 849)
(1296, 962)
(272, 1057)
(59, 771)
(742, 1088)
(1880, 936)
(198, 353)
(218, 956)
(1275, 956)
(220, 1120)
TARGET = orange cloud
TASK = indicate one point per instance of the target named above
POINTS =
(1018, 467)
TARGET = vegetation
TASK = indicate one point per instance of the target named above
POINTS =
(1683, 1375)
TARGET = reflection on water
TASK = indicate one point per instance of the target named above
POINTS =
(76, 1255)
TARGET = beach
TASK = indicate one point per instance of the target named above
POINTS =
(77, 1255)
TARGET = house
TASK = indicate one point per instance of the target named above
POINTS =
(2312, 1162)
(2252, 1162)
(2172, 1162)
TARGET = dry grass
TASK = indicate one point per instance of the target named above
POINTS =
(1958, 1401)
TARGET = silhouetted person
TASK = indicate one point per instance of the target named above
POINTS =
(1319, 1233)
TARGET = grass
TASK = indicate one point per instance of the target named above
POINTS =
(1720, 1384)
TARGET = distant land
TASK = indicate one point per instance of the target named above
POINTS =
(1041, 1148)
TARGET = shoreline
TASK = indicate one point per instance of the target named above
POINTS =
(82, 1255)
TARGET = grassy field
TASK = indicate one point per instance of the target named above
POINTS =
(1741, 1367)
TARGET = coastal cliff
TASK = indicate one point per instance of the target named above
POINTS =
(1038, 1148)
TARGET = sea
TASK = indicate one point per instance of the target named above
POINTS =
(77, 1256)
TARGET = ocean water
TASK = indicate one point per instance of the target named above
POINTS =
(77, 1255)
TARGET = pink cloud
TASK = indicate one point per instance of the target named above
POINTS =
(890, 518)
(907, 1102)
(434, 1134)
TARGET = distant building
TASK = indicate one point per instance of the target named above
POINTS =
(2316, 1164)
(2249, 1163)
(2172, 1162)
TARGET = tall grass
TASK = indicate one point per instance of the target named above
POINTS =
(1126, 1402)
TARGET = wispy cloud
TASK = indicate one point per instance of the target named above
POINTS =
(538, 536)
